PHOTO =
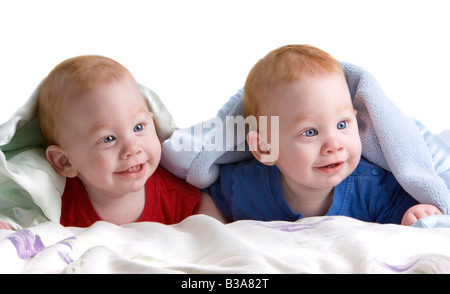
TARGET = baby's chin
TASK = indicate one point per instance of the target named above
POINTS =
(335, 179)
(134, 185)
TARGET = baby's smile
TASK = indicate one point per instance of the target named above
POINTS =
(332, 168)
(135, 171)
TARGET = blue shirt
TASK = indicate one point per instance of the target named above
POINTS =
(252, 190)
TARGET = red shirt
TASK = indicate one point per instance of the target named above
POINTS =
(168, 200)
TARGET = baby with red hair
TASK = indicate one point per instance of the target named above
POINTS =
(100, 135)
(315, 168)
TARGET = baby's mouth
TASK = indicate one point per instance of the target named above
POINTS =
(332, 165)
(131, 170)
(134, 169)
(331, 168)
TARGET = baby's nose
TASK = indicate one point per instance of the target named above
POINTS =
(332, 145)
(130, 149)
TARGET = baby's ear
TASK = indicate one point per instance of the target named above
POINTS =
(60, 162)
(261, 150)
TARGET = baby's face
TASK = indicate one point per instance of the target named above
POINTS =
(110, 139)
(319, 143)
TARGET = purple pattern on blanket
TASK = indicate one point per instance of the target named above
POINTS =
(293, 227)
(27, 244)
(398, 268)
(65, 255)
(66, 242)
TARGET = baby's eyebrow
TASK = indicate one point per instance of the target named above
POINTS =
(348, 107)
(101, 126)
(98, 128)
(300, 120)
(143, 111)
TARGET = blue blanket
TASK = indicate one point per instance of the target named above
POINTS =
(419, 160)
(433, 221)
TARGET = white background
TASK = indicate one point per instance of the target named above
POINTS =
(195, 54)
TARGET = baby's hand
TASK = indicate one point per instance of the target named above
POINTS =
(417, 212)
(4, 226)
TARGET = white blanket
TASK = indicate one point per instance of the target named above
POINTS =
(30, 197)
(201, 244)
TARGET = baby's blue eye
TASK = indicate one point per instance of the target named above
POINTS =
(310, 133)
(342, 125)
(138, 128)
(109, 139)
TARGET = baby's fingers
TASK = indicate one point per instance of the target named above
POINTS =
(409, 219)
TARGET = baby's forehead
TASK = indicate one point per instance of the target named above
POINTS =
(307, 93)
(117, 97)
(100, 90)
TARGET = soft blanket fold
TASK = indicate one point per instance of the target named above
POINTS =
(30, 189)
(201, 244)
(419, 160)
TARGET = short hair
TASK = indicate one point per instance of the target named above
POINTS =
(285, 64)
(70, 79)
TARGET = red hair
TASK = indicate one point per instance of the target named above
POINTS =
(285, 64)
(71, 79)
